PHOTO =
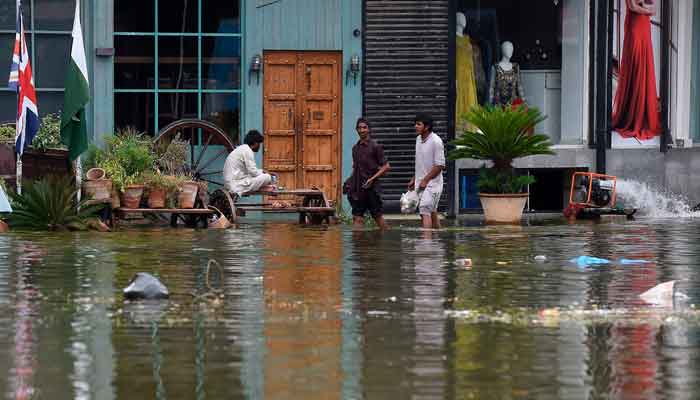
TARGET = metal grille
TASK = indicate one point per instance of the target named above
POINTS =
(406, 72)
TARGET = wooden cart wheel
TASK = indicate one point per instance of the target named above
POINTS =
(209, 147)
(222, 200)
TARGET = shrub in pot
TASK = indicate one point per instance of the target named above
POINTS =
(501, 135)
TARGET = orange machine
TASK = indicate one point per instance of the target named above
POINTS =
(589, 189)
(593, 195)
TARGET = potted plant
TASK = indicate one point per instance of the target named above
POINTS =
(501, 135)
(158, 187)
(188, 193)
(127, 156)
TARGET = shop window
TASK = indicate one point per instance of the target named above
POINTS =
(177, 59)
(695, 81)
(637, 118)
(47, 24)
(513, 51)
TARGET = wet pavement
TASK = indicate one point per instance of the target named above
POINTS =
(332, 312)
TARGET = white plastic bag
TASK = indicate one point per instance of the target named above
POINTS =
(409, 202)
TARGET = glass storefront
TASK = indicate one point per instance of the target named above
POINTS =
(177, 59)
(536, 52)
(47, 24)
(637, 55)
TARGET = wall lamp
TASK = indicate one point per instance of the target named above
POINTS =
(255, 68)
(353, 70)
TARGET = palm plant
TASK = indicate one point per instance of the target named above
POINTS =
(49, 204)
(501, 135)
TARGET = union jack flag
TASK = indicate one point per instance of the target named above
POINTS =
(22, 81)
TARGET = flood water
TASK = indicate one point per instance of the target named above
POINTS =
(332, 312)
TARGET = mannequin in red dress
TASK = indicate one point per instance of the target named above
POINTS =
(636, 110)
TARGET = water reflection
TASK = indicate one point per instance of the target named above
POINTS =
(333, 312)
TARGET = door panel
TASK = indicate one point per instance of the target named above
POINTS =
(302, 119)
(280, 149)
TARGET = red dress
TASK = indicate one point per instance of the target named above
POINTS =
(636, 110)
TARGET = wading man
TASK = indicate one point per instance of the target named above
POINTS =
(364, 187)
(241, 174)
(430, 162)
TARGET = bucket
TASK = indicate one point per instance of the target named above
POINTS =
(131, 198)
(222, 222)
(94, 174)
(100, 189)
(188, 194)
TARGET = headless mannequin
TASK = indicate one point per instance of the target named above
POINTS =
(506, 65)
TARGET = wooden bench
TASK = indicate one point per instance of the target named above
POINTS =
(314, 207)
(191, 217)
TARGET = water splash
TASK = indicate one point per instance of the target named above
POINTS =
(653, 202)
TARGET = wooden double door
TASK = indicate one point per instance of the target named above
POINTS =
(302, 119)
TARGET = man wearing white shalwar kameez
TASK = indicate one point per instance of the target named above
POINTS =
(241, 174)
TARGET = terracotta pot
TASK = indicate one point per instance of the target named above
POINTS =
(94, 174)
(156, 198)
(98, 189)
(115, 199)
(503, 208)
(188, 194)
(131, 198)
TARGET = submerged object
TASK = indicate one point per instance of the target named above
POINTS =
(464, 263)
(540, 258)
(626, 261)
(145, 286)
(583, 261)
(594, 195)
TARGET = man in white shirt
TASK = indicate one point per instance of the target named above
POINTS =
(241, 174)
(430, 162)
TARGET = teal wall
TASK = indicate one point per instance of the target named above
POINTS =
(317, 25)
(98, 30)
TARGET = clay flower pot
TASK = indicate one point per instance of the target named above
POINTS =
(188, 194)
(100, 189)
(94, 174)
(156, 198)
(131, 198)
(503, 208)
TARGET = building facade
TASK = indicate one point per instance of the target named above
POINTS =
(303, 71)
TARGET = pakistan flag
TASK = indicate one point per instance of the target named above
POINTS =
(77, 95)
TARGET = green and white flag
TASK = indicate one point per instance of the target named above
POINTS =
(77, 95)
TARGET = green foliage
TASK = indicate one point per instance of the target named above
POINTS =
(501, 135)
(498, 181)
(7, 133)
(126, 157)
(49, 134)
(173, 161)
(49, 204)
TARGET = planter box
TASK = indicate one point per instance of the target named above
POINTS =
(35, 163)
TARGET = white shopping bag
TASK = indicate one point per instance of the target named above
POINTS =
(409, 202)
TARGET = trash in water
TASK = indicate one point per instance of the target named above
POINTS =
(541, 258)
(661, 294)
(502, 262)
(626, 261)
(583, 261)
(464, 263)
(145, 286)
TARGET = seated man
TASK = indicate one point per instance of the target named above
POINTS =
(241, 175)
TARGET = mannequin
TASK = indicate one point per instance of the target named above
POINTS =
(467, 96)
(506, 86)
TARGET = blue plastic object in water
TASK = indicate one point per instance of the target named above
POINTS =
(583, 261)
(625, 261)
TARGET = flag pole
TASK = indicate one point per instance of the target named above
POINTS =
(19, 155)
